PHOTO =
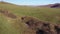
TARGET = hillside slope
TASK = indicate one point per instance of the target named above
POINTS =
(14, 26)
(56, 5)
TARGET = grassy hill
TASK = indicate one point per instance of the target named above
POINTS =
(14, 26)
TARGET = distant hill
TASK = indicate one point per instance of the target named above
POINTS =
(56, 5)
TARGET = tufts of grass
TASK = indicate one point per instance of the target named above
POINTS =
(15, 26)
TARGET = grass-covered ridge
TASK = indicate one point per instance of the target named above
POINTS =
(14, 26)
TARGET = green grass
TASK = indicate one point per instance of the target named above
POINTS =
(6, 27)
(16, 27)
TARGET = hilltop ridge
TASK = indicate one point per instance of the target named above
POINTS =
(56, 5)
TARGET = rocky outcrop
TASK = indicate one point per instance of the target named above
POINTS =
(41, 27)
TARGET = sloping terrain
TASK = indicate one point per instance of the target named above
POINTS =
(56, 5)
(12, 25)
(51, 14)
(15, 22)
(7, 23)
(15, 26)
(41, 27)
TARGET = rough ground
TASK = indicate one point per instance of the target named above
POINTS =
(7, 13)
(35, 26)
(41, 27)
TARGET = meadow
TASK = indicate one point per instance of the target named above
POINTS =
(14, 26)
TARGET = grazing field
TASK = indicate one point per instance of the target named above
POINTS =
(14, 26)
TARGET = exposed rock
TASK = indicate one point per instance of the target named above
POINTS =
(41, 27)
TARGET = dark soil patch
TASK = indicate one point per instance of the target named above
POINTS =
(8, 14)
(41, 27)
